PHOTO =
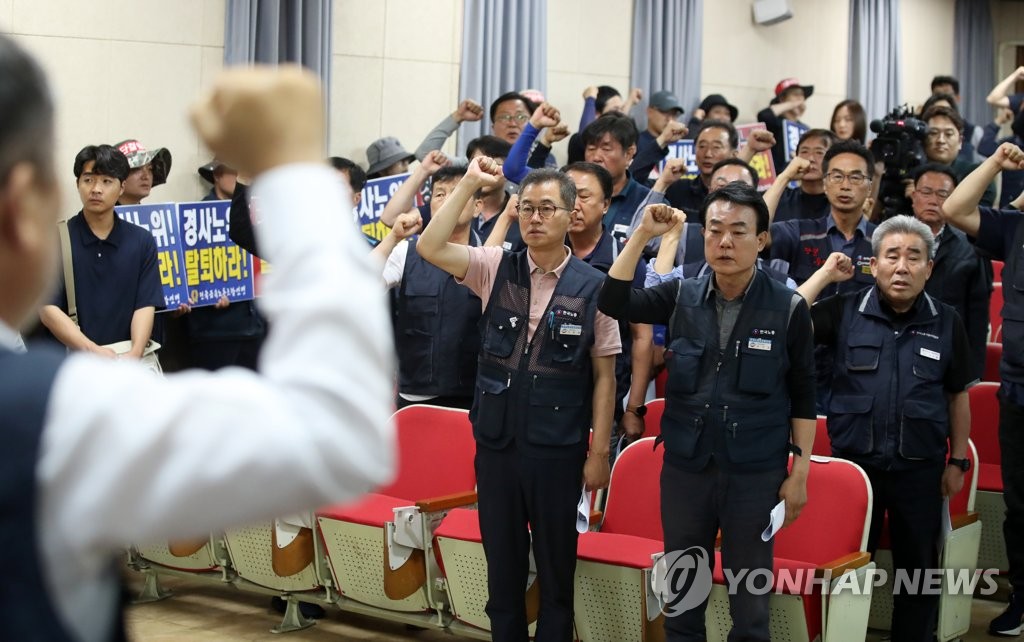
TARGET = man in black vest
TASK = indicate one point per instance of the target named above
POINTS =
(98, 454)
(1001, 233)
(546, 374)
(740, 392)
(436, 319)
(899, 392)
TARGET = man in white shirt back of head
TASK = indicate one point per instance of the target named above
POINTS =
(97, 454)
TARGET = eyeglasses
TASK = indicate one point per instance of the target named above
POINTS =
(836, 178)
(936, 134)
(546, 211)
(508, 118)
(927, 191)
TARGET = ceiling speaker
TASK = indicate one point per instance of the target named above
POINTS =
(769, 12)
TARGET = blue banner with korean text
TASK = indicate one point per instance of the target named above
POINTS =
(791, 133)
(214, 266)
(375, 195)
(161, 220)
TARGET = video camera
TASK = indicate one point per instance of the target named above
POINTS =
(900, 147)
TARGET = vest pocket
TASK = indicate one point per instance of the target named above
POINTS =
(417, 361)
(756, 437)
(502, 329)
(681, 427)
(555, 412)
(850, 424)
(927, 362)
(490, 400)
(922, 431)
(758, 370)
(683, 362)
(863, 352)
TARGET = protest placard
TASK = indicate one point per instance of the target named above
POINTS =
(761, 162)
(376, 194)
(215, 266)
(791, 133)
(161, 220)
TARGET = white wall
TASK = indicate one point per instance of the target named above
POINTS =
(927, 28)
(395, 71)
(1008, 33)
(124, 69)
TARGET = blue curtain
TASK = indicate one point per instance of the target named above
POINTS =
(974, 58)
(277, 31)
(504, 48)
(875, 55)
(667, 46)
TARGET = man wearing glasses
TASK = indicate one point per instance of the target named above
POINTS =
(943, 142)
(959, 277)
(801, 246)
(546, 374)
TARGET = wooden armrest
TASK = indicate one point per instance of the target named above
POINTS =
(595, 517)
(843, 564)
(186, 547)
(963, 519)
(445, 502)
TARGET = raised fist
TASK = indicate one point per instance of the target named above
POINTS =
(554, 134)
(433, 162)
(407, 224)
(761, 140)
(468, 111)
(485, 171)
(546, 115)
(660, 218)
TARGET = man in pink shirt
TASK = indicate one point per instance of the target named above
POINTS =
(546, 375)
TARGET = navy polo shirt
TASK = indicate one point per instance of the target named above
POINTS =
(620, 213)
(786, 237)
(114, 277)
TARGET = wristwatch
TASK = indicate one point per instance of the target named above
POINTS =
(962, 464)
(639, 411)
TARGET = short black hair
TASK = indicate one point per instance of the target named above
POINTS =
(946, 80)
(26, 129)
(620, 126)
(109, 162)
(734, 137)
(566, 188)
(490, 146)
(849, 147)
(830, 138)
(947, 112)
(511, 95)
(929, 168)
(604, 94)
(448, 173)
(602, 175)
(935, 99)
(740, 194)
(732, 160)
(356, 174)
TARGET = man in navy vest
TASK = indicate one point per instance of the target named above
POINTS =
(740, 392)
(545, 375)
(901, 371)
(98, 454)
(436, 319)
(1001, 233)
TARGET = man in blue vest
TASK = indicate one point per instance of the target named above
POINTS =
(545, 375)
(436, 319)
(98, 454)
(901, 371)
(739, 399)
(1001, 233)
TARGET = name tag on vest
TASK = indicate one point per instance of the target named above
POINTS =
(759, 344)
(570, 329)
(930, 354)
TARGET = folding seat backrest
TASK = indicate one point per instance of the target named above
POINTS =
(634, 493)
(834, 521)
(997, 271)
(993, 355)
(652, 422)
(435, 453)
(995, 313)
(985, 421)
(822, 444)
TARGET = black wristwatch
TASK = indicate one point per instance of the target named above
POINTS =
(639, 411)
(962, 464)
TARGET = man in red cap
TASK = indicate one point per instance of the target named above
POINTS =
(148, 169)
(789, 104)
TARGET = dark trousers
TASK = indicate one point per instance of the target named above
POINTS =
(516, 491)
(1011, 446)
(694, 505)
(214, 355)
(913, 500)
(465, 403)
